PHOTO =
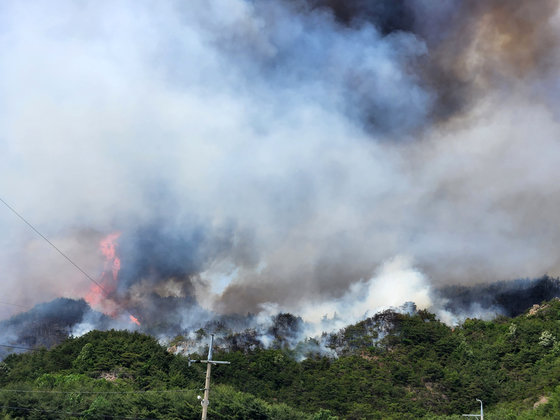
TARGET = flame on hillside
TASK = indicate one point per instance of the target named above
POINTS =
(134, 319)
(100, 296)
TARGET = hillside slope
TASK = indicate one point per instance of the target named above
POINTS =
(392, 366)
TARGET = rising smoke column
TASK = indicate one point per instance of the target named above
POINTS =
(285, 153)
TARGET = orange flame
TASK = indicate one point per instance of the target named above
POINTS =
(98, 295)
(108, 249)
(107, 283)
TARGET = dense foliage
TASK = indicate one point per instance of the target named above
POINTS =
(420, 368)
(393, 366)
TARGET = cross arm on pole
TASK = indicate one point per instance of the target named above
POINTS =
(205, 401)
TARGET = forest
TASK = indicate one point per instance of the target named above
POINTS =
(391, 366)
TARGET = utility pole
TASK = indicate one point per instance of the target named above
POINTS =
(205, 401)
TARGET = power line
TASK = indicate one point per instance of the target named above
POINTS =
(62, 253)
(13, 304)
(53, 245)
(149, 391)
(16, 347)
(68, 413)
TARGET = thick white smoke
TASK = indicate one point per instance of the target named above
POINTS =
(252, 152)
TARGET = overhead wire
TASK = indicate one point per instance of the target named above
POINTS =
(11, 345)
(148, 391)
(29, 348)
(14, 304)
(62, 253)
(53, 245)
(69, 413)
(16, 347)
(89, 393)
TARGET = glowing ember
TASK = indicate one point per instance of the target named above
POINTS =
(134, 319)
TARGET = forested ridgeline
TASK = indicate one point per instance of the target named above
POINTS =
(413, 367)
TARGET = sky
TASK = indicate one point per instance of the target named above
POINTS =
(320, 157)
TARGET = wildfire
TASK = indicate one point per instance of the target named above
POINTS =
(99, 295)
(108, 249)
(107, 283)
(134, 319)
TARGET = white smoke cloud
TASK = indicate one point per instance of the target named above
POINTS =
(247, 117)
(395, 283)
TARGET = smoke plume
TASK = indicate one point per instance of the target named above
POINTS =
(305, 156)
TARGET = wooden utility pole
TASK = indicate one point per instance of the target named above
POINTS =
(205, 401)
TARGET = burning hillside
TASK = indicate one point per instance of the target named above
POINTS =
(186, 327)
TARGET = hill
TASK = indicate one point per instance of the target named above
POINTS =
(391, 366)
(48, 324)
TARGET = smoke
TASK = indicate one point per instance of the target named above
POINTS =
(395, 283)
(486, 301)
(47, 324)
(288, 153)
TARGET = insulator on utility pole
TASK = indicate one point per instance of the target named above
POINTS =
(205, 401)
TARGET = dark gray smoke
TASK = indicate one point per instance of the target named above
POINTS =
(47, 324)
(315, 157)
(470, 46)
(386, 15)
(510, 298)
